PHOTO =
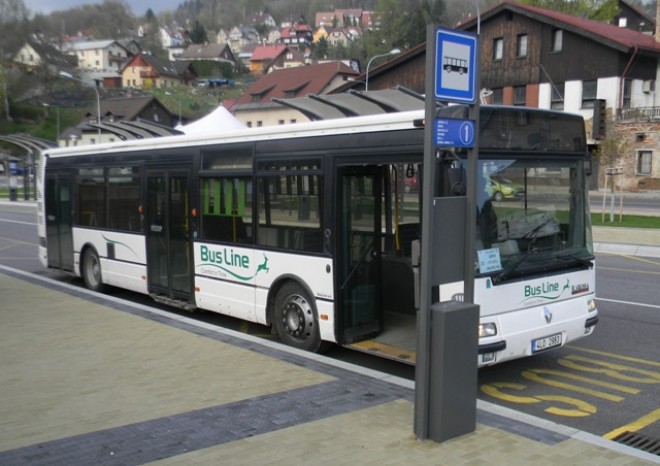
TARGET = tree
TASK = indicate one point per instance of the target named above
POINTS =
(13, 24)
(600, 10)
(198, 34)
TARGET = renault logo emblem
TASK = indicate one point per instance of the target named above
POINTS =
(547, 314)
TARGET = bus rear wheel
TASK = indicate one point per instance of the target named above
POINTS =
(295, 319)
(91, 271)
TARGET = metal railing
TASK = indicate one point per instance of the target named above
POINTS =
(639, 114)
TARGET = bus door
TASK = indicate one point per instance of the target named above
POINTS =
(59, 231)
(359, 253)
(169, 234)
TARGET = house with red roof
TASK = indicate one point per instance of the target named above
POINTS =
(297, 35)
(265, 56)
(261, 105)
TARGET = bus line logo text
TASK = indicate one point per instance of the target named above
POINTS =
(545, 291)
(216, 261)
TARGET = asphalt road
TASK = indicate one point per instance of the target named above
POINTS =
(605, 384)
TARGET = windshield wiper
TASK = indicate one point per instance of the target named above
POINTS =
(506, 273)
(574, 257)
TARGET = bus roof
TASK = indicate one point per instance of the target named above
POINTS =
(361, 124)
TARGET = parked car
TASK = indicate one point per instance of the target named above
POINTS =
(500, 188)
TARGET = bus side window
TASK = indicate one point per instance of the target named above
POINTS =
(227, 210)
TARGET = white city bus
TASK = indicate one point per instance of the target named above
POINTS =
(314, 229)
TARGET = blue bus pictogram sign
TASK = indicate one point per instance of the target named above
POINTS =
(456, 66)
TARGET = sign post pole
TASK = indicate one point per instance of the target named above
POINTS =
(444, 406)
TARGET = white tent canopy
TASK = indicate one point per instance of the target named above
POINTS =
(217, 121)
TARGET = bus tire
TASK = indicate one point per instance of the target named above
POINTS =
(294, 318)
(90, 269)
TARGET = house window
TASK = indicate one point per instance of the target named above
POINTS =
(260, 123)
(557, 37)
(522, 45)
(498, 48)
(557, 99)
(498, 96)
(519, 95)
(644, 162)
(280, 122)
(627, 90)
(589, 93)
(292, 121)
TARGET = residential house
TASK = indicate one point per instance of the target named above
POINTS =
(349, 17)
(542, 58)
(212, 52)
(262, 18)
(389, 72)
(131, 45)
(321, 32)
(339, 37)
(148, 71)
(222, 37)
(297, 35)
(239, 37)
(36, 55)
(174, 40)
(153, 118)
(267, 56)
(258, 107)
(631, 17)
(99, 55)
(339, 18)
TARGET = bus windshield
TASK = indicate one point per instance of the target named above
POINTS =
(532, 215)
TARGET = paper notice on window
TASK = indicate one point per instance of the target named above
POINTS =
(489, 260)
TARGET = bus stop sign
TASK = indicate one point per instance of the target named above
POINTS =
(455, 66)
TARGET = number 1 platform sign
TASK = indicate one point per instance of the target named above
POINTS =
(455, 66)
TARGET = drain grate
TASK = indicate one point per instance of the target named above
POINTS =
(639, 441)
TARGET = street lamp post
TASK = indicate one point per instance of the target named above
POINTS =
(64, 74)
(366, 78)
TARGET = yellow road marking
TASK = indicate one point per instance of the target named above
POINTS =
(616, 356)
(493, 390)
(529, 375)
(613, 370)
(647, 420)
(568, 375)
(583, 408)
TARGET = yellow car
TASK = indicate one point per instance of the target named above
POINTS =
(499, 188)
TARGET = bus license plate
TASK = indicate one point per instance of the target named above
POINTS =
(546, 343)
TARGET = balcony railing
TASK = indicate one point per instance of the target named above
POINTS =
(639, 114)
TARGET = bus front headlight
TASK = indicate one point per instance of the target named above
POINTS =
(488, 329)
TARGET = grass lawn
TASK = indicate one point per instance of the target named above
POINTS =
(627, 221)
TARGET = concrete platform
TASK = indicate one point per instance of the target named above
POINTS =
(87, 379)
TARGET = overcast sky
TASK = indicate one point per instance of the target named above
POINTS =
(139, 7)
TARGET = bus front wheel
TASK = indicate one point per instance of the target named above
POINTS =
(295, 319)
(91, 271)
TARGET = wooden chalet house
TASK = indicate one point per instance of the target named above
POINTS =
(604, 72)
